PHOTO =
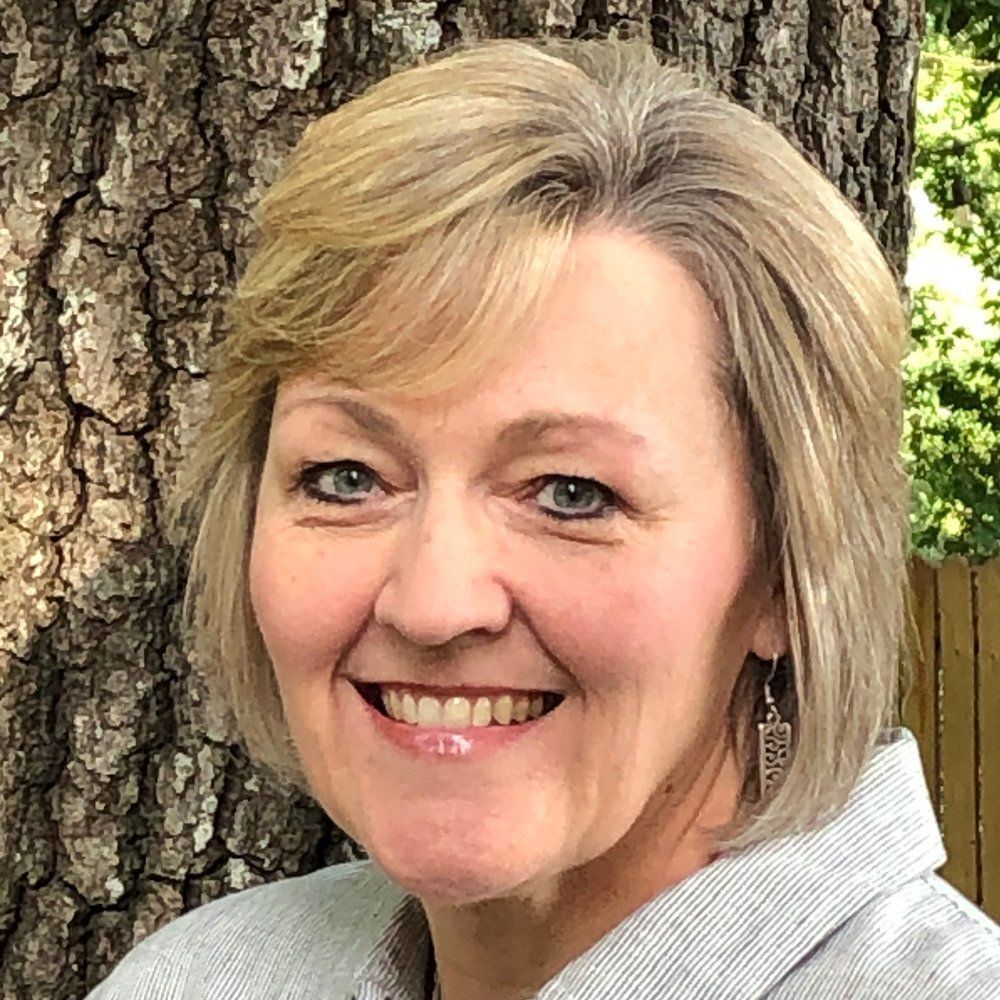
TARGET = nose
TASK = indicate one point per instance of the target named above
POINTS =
(443, 581)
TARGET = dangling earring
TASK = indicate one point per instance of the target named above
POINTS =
(774, 739)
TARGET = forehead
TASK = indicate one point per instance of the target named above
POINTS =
(626, 334)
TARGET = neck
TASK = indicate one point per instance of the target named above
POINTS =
(508, 948)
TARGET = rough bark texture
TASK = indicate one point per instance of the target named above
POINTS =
(136, 138)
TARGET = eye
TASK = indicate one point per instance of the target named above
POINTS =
(576, 498)
(344, 482)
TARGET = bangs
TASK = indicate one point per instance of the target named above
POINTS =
(415, 319)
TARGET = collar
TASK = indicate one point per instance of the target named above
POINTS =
(396, 966)
(744, 920)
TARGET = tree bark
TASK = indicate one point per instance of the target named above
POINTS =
(136, 139)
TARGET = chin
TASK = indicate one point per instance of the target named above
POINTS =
(443, 873)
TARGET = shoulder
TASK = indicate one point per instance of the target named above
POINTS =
(921, 941)
(284, 939)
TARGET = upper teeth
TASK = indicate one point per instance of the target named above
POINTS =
(419, 709)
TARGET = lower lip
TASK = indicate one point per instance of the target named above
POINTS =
(439, 743)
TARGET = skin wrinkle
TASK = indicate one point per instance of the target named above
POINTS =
(630, 470)
(541, 432)
(525, 859)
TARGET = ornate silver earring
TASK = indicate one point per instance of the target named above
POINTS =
(774, 739)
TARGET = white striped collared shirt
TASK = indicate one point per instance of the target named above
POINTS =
(849, 911)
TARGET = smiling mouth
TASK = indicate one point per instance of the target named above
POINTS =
(418, 707)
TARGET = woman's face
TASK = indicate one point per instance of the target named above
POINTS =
(444, 547)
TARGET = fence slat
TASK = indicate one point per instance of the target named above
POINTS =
(958, 722)
(919, 703)
(989, 733)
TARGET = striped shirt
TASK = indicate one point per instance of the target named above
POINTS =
(851, 910)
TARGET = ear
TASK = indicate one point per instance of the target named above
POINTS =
(770, 635)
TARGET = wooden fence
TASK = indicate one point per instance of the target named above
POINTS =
(953, 708)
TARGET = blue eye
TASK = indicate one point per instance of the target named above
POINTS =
(574, 494)
(351, 477)
(349, 483)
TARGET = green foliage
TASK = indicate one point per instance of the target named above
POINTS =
(952, 441)
(976, 22)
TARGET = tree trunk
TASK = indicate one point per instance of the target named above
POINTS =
(137, 138)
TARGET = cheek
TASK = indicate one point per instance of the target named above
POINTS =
(308, 601)
(669, 606)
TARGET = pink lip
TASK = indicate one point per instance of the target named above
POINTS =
(447, 744)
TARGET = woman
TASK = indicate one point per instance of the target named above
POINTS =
(555, 465)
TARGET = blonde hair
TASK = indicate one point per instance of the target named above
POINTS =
(408, 242)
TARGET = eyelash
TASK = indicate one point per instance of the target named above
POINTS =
(309, 473)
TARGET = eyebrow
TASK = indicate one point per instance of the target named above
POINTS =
(515, 433)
